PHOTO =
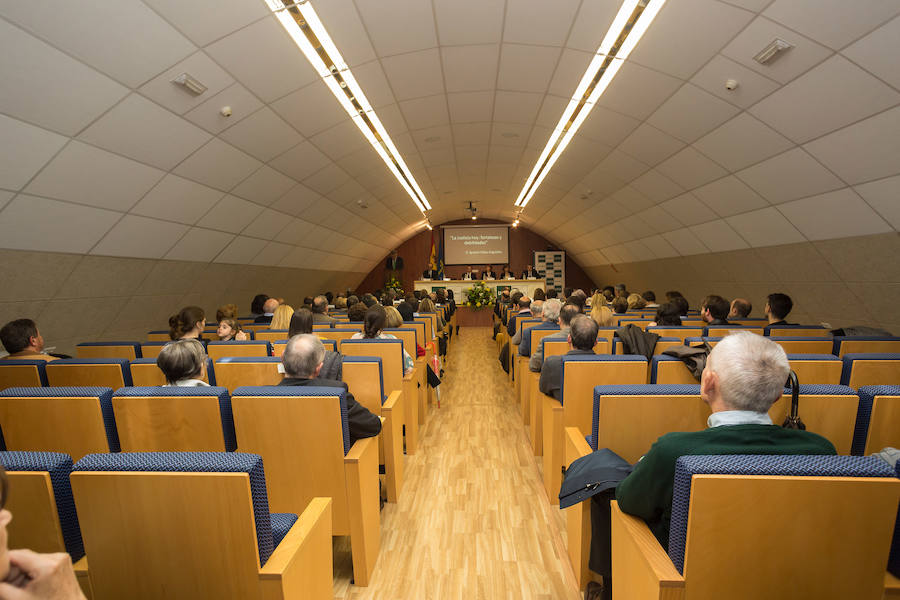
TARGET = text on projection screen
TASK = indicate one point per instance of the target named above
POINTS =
(476, 245)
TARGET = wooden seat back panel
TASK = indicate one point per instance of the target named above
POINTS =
(579, 380)
(19, 376)
(884, 424)
(234, 375)
(36, 523)
(217, 351)
(831, 416)
(85, 376)
(70, 425)
(874, 372)
(123, 351)
(391, 361)
(169, 424)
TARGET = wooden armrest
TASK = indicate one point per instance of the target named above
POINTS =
(409, 376)
(361, 470)
(640, 565)
(301, 565)
(392, 434)
(576, 445)
(359, 447)
(83, 578)
(891, 586)
(392, 401)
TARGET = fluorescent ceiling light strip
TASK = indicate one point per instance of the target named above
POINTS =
(303, 25)
(630, 24)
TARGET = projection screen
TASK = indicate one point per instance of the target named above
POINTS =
(476, 245)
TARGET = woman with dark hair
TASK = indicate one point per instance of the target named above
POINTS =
(539, 294)
(668, 315)
(256, 307)
(188, 323)
(332, 365)
(373, 329)
(357, 312)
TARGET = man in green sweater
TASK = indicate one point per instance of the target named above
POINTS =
(744, 375)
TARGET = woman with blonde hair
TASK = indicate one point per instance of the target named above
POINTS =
(393, 318)
(426, 306)
(227, 311)
(602, 315)
(281, 318)
(636, 301)
(598, 299)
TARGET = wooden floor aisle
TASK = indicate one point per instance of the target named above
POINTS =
(473, 521)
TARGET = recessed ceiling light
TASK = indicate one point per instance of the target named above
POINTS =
(433, 138)
(629, 25)
(509, 134)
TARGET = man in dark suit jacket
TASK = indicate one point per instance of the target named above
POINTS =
(530, 271)
(394, 262)
(302, 359)
(524, 303)
(488, 272)
(430, 273)
(268, 311)
(582, 337)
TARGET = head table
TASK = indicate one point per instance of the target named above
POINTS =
(526, 286)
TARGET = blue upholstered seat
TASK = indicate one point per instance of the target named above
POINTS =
(829, 357)
(220, 393)
(58, 466)
(301, 391)
(38, 366)
(867, 395)
(745, 464)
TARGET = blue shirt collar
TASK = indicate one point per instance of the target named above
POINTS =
(738, 417)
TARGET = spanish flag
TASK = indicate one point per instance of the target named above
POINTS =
(432, 263)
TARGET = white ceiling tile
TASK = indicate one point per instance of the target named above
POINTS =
(469, 68)
(637, 251)
(200, 245)
(729, 196)
(146, 132)
(759, 34)
(63, 227)
(718, 236)
(637, 91)
(296, 200)
(650, 145)
(346, 30)
(311, 109)
(688, 210)
(140, 237)
(523, 15)
(691, 113)
(24, 151)
(263, 134)
(43, 86)
(272, 254)
(231, 214)
(659, 246)
(241, 250)
(264, 186)
(341, 140)
(414, 75)
(569, 71)
(422, 113)
(690, 169)
(295, 232)
(685, 242)
(177, 98)
(715, 23)
(863, 151)
(327, 179)
(833, 215)
(875, 52)
(397, 26)
(265, 59)
(5, 197)
(515, 134)
(657, 219)
(301, 161)
(177, 199)
(742, 141)
(830, 96)
(791, 175)
(238, 98)
(206, 20)
(832, 22)
(462, 22)
(618, 165)
(134, 46)
(884, 196)
(433, 137)
(602, 124)
(526, 68)
(765, 227)
(88, 175)
(218, 165)
(656, 186)
(372, 81)
(593, 20)
(752, 86)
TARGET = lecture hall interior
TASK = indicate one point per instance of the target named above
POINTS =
(450, 299)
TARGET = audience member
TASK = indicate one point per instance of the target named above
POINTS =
(392, 317)
(681, 304)
(320, 310)
(303, 359)
(537, 312)
(23, 341)
(740, 309)
(714, 310)
(578, 298)
(188, 323)
(426, 307)
(369, 300)
(566, 314)
(227, 311)
(620, 305)
(540, 294)
(230, 330)
(373, 329)
(357, 312)
(183, 362)
(307, 301)
(552, 293)
(550, 315)
(667, 315)
(406, 311)
(524, 305)
(268, 311)
(330, 297)
(567, 291)
(256, 305)
(620, 290)
(582, 338)
(650, 298)
(281, 318)
(340, 305)
(332, 364)
(636, 302)
(778, 306)
(670, 295)
(602, 314)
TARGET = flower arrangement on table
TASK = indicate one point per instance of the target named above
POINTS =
(479, 296)
(394, 284)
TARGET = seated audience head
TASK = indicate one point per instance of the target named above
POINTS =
(540, 294)
(303, 356)
(551, 310)
(188, 323)
(301, 322)
(357, 312)
(673, 294)
(682, 304)
(369, 300)
(320, 305)
(270, 305)
(256, 306)
(620, 305)
(602, 315)
(515, 297)
(608, 288)
(714, 308)
(597, 299)
(583, 333)
(567, 313)
(744, 371)
(330, 297)
(568, 292)
(351, 300)
(426, 305)
(537, 308)
(228, 329)
(778, 306)
(340, 303)
(22, 337)
(524, 303)
(621, 290)
(636, 301)
(281, 319)
(228, 311)
(608, 295)
(182, 359)
(649, 296)
(578, 297)
(668, 315)
(307, 301)
(552, 293)
(740, 309)
(392, 317)
(374, 321)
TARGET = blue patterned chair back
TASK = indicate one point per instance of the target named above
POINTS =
(876, 423)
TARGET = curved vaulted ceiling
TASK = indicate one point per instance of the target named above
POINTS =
(102, 154)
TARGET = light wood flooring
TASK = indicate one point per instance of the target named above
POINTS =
(473, 521)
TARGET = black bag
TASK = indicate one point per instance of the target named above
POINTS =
(792, 421)
(592, 474)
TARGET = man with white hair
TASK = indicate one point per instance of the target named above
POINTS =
(550, 316)
(537, 311)
(268, 311)
(302, 359)
(745, 374)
